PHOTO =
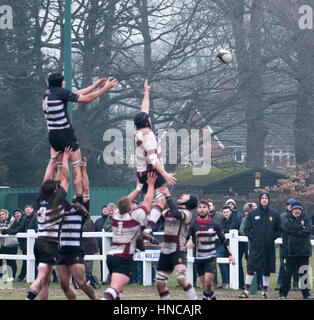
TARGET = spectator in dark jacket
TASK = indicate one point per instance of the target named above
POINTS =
(281, 268)
(99, 225)
(262, 227)
(18, 226)
(297, 248)
(89, 247)
(233, 206)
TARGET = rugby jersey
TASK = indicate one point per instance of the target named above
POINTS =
(175, 231)
(71, 229)
(50, 214)
(204, 236)
(55, 105)
(126, 229)
(147, 150)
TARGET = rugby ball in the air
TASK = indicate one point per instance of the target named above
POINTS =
(224, 56)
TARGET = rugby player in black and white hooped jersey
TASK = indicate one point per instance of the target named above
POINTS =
(148, 156)
(60, 130)
(173, 256)
(126, 228)
(204, 231)
(50, 204)
(70, 260)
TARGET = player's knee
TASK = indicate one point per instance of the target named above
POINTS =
(181, 276)
(161, 279)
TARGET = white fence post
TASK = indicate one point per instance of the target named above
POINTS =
(190, 264)
(30, 262)
(106, 244)
(234, 269)
(147, 270)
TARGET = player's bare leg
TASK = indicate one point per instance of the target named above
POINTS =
(64, 275)
(118, 282)
(75, 160)
(180, 273)
(78, 272)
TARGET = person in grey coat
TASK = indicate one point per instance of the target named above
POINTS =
(262, 227)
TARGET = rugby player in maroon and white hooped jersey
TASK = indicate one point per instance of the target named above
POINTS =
(149, 157)
(126, 227)
(173, 256)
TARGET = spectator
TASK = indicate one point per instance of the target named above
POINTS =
(10, 246)
(233, 206)
(229, 222)
(216, 216)
(18, 226)
(98, 226)
(262, 227)
(312, 226)
(89, 246)
(282, 266)
(111, 210)
(297, 249)
(243, 246)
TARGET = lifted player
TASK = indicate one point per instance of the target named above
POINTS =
(149, 157)
(60, 130)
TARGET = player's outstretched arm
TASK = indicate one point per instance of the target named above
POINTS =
(99, 84)
(149, 196)
(96, 94)
(169, 177)
(145, 102)
(133, 195)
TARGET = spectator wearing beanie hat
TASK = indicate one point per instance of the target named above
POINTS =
(297, 249)
(289, 203)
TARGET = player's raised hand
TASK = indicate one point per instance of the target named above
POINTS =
(151, 178)
(147, 87)
(67, 152)
(170, 179)
(109, 84)
(164, 190)
(101, 82)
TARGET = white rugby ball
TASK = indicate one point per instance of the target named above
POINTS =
(224, 56)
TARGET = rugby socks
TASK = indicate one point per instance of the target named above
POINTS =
(111, 294)
(265, 283)
(190, 292)
(248, 281)
(32, 294)
(164, 295)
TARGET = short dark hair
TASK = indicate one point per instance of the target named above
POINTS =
(211, 200)
(141, 120)
(203, 202)
(226, 207)
(55, 80)
(47, 188)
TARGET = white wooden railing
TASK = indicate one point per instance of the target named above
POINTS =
(147, 257)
